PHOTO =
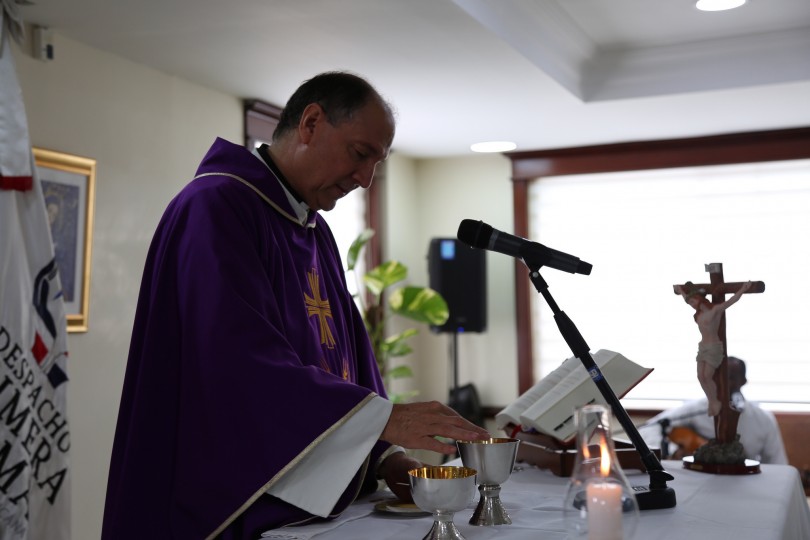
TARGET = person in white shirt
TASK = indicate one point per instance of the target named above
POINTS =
(757, 427)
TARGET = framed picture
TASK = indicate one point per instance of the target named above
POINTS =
(68, 186)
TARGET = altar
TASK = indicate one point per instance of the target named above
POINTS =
(770, 505)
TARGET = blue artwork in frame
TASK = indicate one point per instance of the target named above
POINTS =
(68, 187)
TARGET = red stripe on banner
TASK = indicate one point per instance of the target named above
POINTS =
(39, 349)
(18, 183)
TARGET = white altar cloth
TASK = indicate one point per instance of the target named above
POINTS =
(770, 505)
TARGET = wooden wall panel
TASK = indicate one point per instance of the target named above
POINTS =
(795, 428)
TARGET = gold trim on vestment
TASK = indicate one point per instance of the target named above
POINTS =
(280, 210)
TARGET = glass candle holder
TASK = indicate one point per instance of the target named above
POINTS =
(600, 503)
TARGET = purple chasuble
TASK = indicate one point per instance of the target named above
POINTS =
(246, 348)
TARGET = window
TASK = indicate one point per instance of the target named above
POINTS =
(347, 220)
(645, 231)
(654, 158)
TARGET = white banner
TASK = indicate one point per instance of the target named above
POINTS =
(34, 433)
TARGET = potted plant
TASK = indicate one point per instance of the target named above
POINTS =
(379, 301)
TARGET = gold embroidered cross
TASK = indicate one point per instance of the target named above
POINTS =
(319, 308)
(345, 373)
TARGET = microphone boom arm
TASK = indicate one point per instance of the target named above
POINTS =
(657, 495)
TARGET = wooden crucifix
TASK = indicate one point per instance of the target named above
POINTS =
(725, 421)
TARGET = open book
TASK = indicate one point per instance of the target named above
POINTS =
(549, 405)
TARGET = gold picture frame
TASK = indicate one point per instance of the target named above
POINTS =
(68, 186)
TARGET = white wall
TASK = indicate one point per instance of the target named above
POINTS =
(147, 130)
(426, 199)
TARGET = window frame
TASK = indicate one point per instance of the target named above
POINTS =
(747, 147)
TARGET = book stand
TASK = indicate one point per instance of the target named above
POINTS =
(657, 494)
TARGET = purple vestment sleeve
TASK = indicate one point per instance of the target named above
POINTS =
(246, 348)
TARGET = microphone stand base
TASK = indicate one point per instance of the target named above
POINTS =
(654, 498)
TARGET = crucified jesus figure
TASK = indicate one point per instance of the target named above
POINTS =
(710, 348)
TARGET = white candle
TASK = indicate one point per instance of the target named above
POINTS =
(604, 502)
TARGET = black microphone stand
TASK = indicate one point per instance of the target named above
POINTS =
(657, 494)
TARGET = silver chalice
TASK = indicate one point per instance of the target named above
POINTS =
(443, 491)
(494, 460)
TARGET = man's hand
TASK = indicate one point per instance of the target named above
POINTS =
(414, 425)
(394, 470)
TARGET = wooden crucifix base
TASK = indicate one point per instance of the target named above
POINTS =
(750, 466)
(721, 458)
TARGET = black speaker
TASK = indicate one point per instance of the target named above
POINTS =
(464, 400)
(459, 273)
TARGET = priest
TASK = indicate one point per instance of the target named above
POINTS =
(251, 398)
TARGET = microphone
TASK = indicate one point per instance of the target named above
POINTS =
(482, 236)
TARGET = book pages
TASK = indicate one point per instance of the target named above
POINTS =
(549, 405)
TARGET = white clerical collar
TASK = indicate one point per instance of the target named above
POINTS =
(300, 208)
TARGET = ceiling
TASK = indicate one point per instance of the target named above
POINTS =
(543, 73)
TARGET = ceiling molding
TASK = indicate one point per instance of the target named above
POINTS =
(719, 64)
(548, 37)
(543, 33)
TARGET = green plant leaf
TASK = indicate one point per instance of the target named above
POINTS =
(400, 397)
(421, 304)
(399, 348)
(357, 246)
(385, 275)
(402, 335)
(400, 372)
(396, 346)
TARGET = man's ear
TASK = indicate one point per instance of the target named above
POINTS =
(312, 115)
